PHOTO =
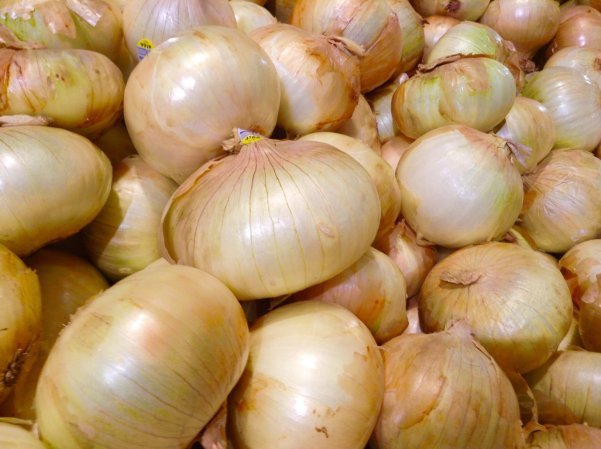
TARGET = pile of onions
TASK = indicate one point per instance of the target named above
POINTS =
(162, 349)
(514, 299)
(250, 16)
(459, 9)
(362, 126)
(315, 374)
(582, 59)
(380, 101)
(561, 200)
(15, 437)
(393, 149)
(445, 390)
(459, 187)
(311, 68)
(574, 436)
(579, 26)
(123, 239)
(183, 100)
(412, 34)
(274, 218)
(371, 24)
(72, 183)
(115, 143)
(434, 28)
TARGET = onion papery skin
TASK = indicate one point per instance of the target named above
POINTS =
(72, 183)
(459, 9)
(362, 126)
(393, 149)
(514, 299)
(573, 101)
(578, 26)
(477, 92)
(434, 28)
(63, 24)
(162, 350)
(250, 16)
(290, 214)
(528, 24)
(115, 143)
(574, 436)
(373, 288)
(561, 200)
(311, 69)
(123, 239)
(372, 24)
(412, 30)
(175, 100)
(314, 374)
(459, 187)
(581, 267)
(15, 437)
(569, 387)
(582, 59)
(443, 390)
(79, 90)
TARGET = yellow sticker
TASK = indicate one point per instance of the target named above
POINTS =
(247, 137)
(144, 47)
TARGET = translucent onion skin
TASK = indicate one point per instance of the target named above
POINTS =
(514, 299)
(443, 390)
(275, 218)
(477, 92)
(580, 27)
(373, 288)
(162, 350)
(79, 90)
(459, 9)
(15, 437)
(250, 16)
(412, 30)
(434, 28)
(183, 100)
(581, 267)
(72, 183)
(393, 149)
(582, 59)
(362, 126)
(315, 375)
(574, 103)
(561, 200)
(123, 239)
(574, 436)
(371, 24)
(459, 187)
(311, 68)
(115, 143)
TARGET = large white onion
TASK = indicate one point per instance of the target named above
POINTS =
(514, 299)
(412, 30)
(250, 16)
(183, 100)
(582, 59)
(362, 126)
(574, 436)
(434, 28)
(459, 9)
(15, 437)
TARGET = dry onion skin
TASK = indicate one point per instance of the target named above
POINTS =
(393, 149)
(311, 68)
(162, 349)
(573, 436)
(412, 30)
(250, 16)
(434, 28)
(314, 374)
(373, 288)
(579, 26)
(274, 218)
(372, 24)
(15, 437)
(115, 143)
(183, 100)
(458, 9)
(514, 299)
(443, 390)
(561, 200)
(72, 183)
(123, 239)
(362, 126)
(459, 187)
(582, 59)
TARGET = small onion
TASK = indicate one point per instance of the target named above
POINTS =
(362, 126)
(412, 31)
(115, 143)
(434, 28)
(459, 187)
(15, 437)
(183, 100)
(561, 200)
(582, 59)
(250, 16)
(283, 9)
(514, 299)
(380, 101)
(459, 9)
(578, 26)
(574, 436)
(314, 375)
(393, 149)
(581, 268)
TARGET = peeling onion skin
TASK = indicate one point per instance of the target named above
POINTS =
(315, 375)
(459, 9)
(573, 436)
(514, 299)
(150, 361)
(15, 437)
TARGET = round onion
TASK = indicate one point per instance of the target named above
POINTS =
(15, 437)
(362, 126)
(459, 187)
(183, 100)
(380, 101)
(459, 9)
(315, 375)
(250, 16)
(578, 26)
(150, 362)
(123, 237)
(275, 218)
(581, 268)
(444, 390)
(115, 143)
(515, 300)
(574, 436)
(561, 200)
(393, 149)
(582, 59)
(412, 31)
(434, 28)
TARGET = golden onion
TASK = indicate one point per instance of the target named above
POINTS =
(250, 16)
(362, 126)
(15, 437)
(578, 26)
(590, 319)
(412, 31)
(459, 9)
(574, 436)
(582, 59)
(393, 149)
(434, 28)
(115, 143)
(514, 299)
(581, 268)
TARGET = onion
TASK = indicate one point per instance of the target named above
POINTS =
(380, 101)
(371, 24)
(373, 288)
(115, 143)
(434, 28)
(314, 375)
(413, 317)
(148, 23)
(459, 9)
(582, 59)
(283, 9)
(250, 16)
(15, 437)
(579, 26)
(520, 237)
(445, 391)
(184, 99)
(393, 149)
(515, 300)
(561, 200)
(459, 187)
(412, 31)
(311, 68)
(161, 349)
(574, 436)
(568, 388)
(123, 237)
(473, 91)
(362, 126)
(79, 90)
(581, 268)
(531, 129)
(590, 319)
(572, 339)
(64, 178)
(275, 218)
(61, 24)
(528, 24)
